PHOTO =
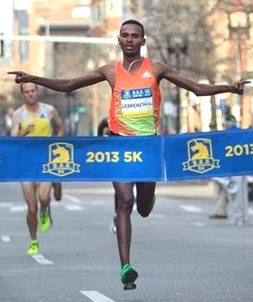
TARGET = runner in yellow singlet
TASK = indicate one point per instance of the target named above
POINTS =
(134, 110)
(36, 119)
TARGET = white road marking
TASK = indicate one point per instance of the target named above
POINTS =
(42, 260)
(54, 203)
(250, 211)
(72, 198)
(199, 224)
(96, 296)
(21, 208)
(191, 208)
(5, 205)
(97, 202)
(5, 238)
(73, 207)
(76, 203)
(158, 216)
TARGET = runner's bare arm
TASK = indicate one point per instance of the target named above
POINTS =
(15, 124)
(58, 122)
(64, 85)
(199, 89)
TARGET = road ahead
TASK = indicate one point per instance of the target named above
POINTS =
(180, 254)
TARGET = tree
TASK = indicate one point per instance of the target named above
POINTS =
(191, 35)
(186, 22)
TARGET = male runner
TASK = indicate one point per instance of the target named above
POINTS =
(133, 74)
(35, 119)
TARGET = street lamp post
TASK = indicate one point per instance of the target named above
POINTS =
(239, 26)
(177, 47)
(239, 32)
(1, 46)
(69, 116)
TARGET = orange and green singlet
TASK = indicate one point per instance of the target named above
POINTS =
(135, 103)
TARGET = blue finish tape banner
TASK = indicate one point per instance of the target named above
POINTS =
(81, 158)
(209, 154)
(151, 158)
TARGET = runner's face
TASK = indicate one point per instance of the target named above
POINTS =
(131, 39)
(30, 93)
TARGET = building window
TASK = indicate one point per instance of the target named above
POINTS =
(113, 8)
(97, 13)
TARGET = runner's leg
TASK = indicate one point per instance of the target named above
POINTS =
(29, 191)
(145, 198)
(125, 200)
(57, 186)
(44, 191)
(44, 195)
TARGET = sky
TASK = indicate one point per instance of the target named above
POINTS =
(6, 14)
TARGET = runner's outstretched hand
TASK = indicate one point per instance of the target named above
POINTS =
(21, 77)
(238, 87)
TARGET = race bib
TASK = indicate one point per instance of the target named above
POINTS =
(137, 102)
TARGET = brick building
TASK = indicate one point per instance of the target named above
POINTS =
(73, 19)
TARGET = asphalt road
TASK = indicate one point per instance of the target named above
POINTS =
(181, 255)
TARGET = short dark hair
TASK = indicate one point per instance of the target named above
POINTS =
(21, 86)
(132, 21)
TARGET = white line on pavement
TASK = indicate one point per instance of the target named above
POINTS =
(96, 296)
(97, 202)
(191, 208)
(73, 207)
(54, 203)
(21, 208)
(158, 216)
(250, 211)
(42, 260)
(5, 205)
(5, 238)
(72, 198)
(199, 224)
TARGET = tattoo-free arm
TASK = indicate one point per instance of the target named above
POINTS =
(15, 124)
(64, 85)
(59, 125)
(198, 88)
(58, 122)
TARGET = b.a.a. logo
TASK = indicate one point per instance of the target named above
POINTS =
(61, 160)
(200, 156)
